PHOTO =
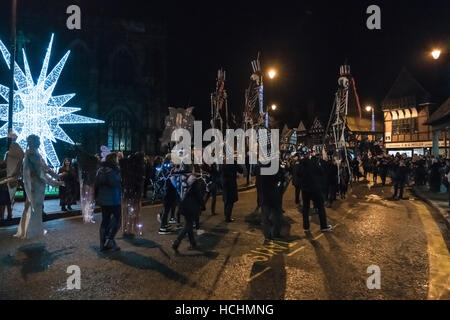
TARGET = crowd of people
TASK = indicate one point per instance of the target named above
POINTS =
(121, 182)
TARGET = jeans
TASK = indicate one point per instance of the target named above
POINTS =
(317, 199)
(228, 208)
(271, 221)
(213, 194)
(111, 218)
(383, 178)
(297, 195)
(187, 229)
(168, 207)
(398, 189)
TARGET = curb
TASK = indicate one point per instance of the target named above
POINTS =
(61, 215)
(442, 212)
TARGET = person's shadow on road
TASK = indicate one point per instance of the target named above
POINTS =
(271, 284)
(138, 261)
(145, 243)
(37, 258)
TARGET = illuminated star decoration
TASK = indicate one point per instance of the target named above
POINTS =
(35, 109)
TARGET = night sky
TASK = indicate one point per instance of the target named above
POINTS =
(306, 41)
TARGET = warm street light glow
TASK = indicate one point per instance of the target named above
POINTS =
(368, 108)
(272, 74)
(436, 53)
(274, 107)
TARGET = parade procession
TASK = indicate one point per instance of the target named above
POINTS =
(160, 156)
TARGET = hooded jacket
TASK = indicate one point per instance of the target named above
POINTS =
(108, 185)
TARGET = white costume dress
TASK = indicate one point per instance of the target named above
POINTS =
(35, 177)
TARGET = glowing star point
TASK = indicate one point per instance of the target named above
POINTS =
(35, 109)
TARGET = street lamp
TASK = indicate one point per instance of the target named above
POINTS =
(272, 73)
(436, 53)
(368, 109)
(273, 107)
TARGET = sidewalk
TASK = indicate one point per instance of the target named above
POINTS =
(53, 210)
(439, 201)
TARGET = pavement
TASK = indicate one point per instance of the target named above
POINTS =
(404, 240)
(438, 200)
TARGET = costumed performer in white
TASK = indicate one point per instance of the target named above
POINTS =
(36, 174)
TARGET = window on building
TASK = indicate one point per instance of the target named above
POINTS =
(119, 132)
(405, 126)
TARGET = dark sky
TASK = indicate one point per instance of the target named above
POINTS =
(306, 41)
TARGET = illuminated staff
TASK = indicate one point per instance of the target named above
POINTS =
(338, 116)
(12, 67)
(219, 101)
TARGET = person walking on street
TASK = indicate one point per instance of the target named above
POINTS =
(296, 180)
(190, 207)
(108, 196)
(311, 177)
(271, 192)
(170, 200)
(230, 190)
(401, 175)
(213, 185)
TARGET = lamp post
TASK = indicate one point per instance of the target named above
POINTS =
(272, 73)
(368, 109)
(273, 107)
(12, 60)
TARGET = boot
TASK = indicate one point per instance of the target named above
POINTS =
(193, 246)
(63, 208)
(175, 245)
(69, 207)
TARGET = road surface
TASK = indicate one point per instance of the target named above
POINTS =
(405, 239)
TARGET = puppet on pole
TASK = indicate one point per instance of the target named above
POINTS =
(254, 98)
(338, 117)
(219, 103)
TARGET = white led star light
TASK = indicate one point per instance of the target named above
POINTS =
(35, 110)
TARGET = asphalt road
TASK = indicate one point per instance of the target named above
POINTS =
(403, 238)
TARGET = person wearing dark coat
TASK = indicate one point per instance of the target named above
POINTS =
(296, 181)
(420, 173)
(108, 195)
(375, 169)
(230, 190)
(256, 173)
(271, 192)
(355, 169)
(332, 181)
(148, 175)
(383, 170)
(435, 177)
(401, 176)
(213, 186)
(170, 200)
(68, 192)
(311, 183)
(190, 207)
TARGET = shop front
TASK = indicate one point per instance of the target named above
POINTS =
(413, 148)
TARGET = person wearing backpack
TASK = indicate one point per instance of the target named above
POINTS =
(190, 207)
